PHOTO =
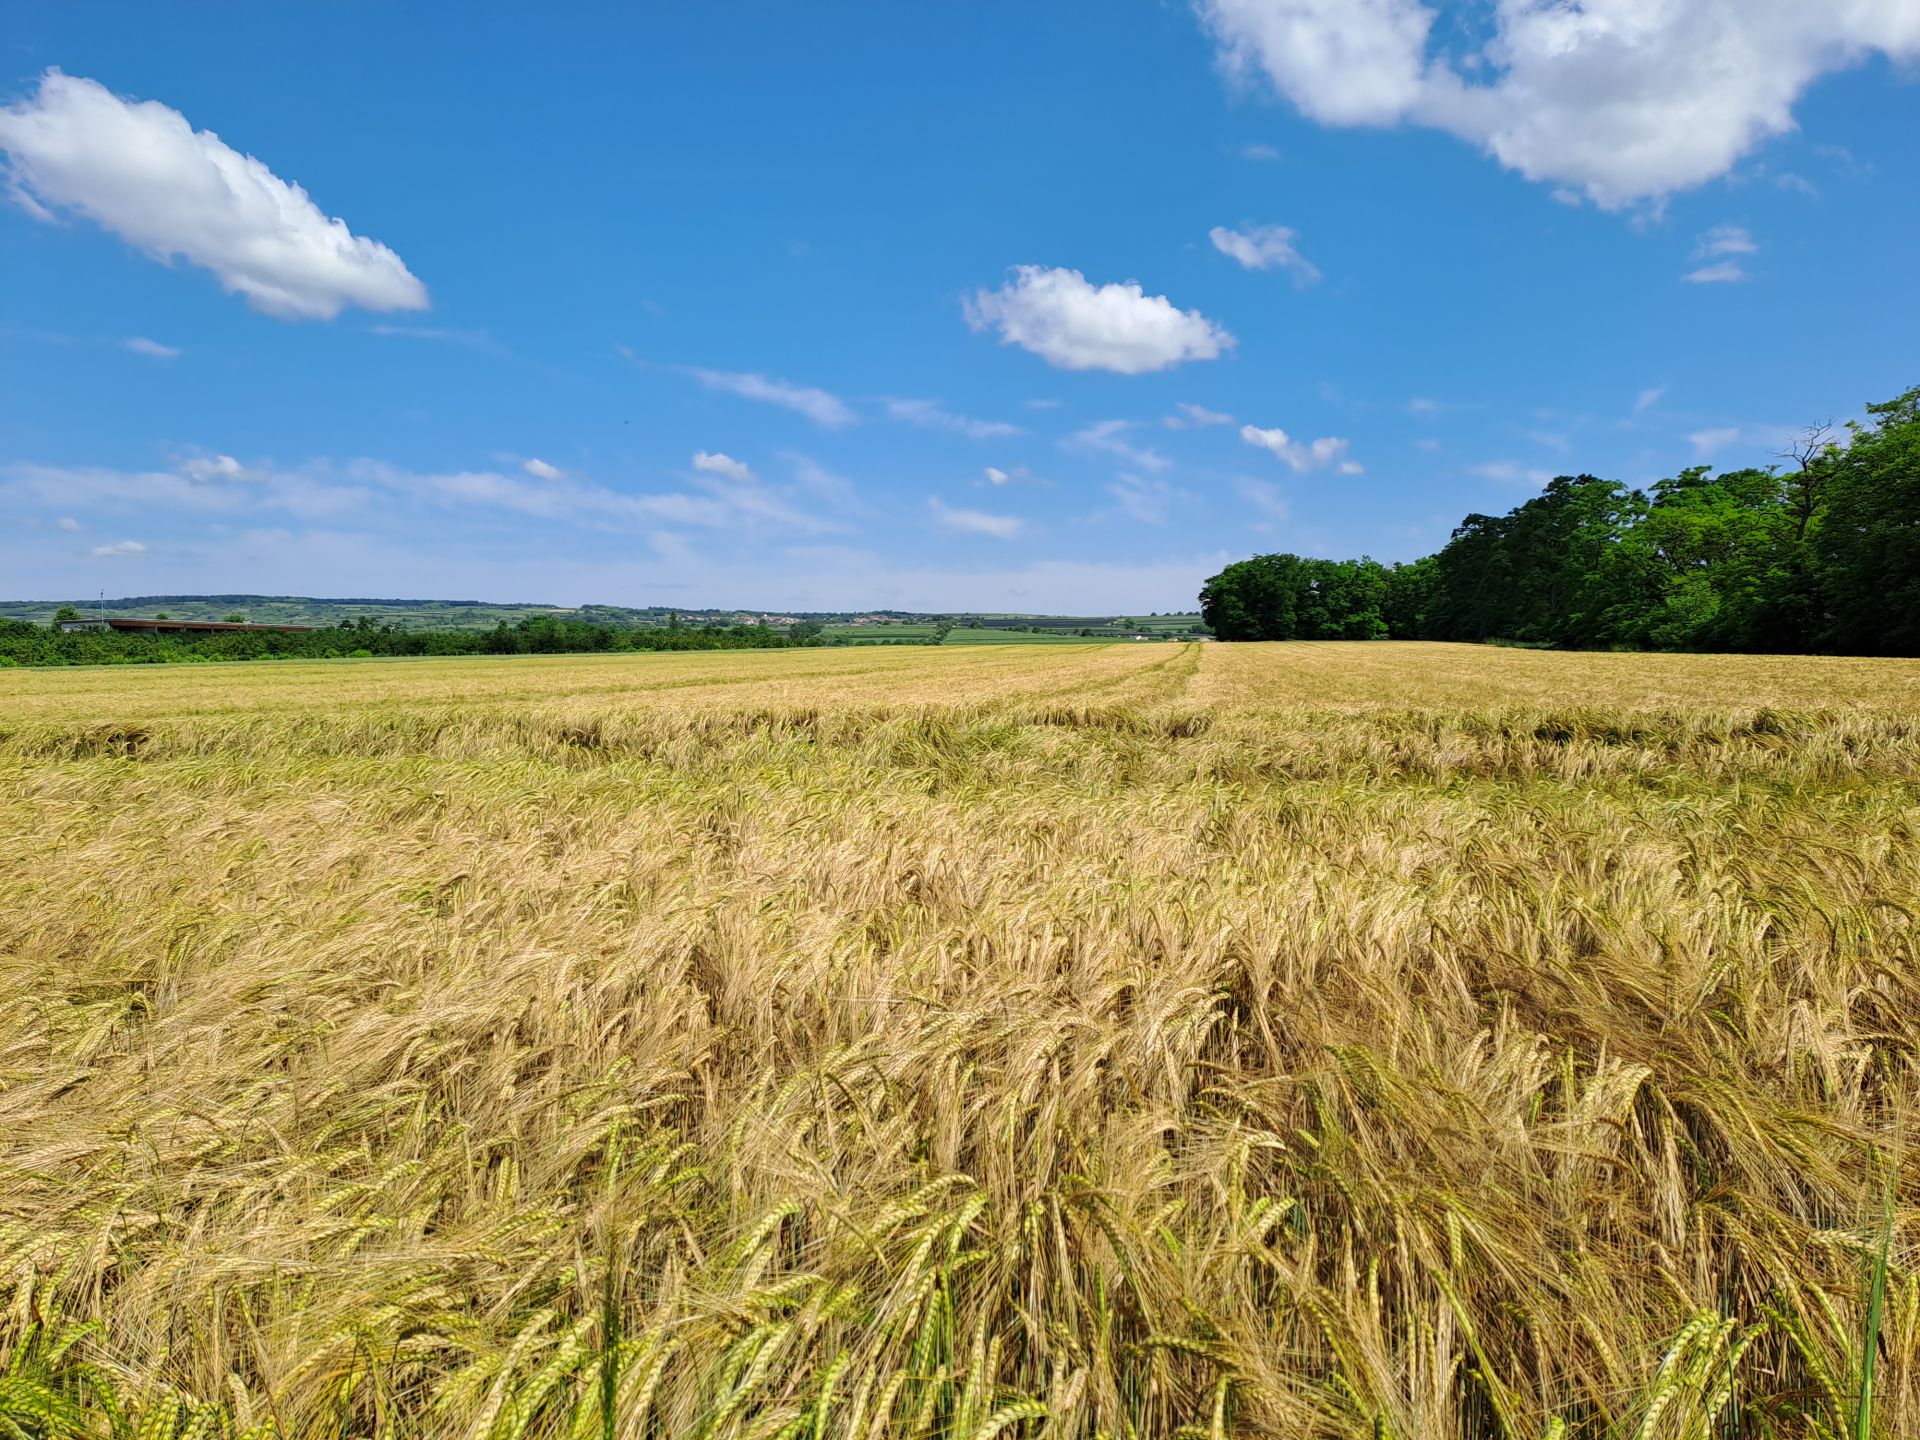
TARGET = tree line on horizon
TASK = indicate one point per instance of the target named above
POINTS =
(1822, 555)
(24, 643)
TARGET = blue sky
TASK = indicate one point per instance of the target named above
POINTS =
(998, 306)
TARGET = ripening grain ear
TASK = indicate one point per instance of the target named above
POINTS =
(1272, 1041)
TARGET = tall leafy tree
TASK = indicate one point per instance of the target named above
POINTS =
(1868, 539)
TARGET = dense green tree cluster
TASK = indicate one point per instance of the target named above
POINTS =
(1822, 556)
(1286, 597)
(25, 644)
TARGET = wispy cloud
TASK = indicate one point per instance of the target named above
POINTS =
(1710, 442)
(1266, 497)
(118, 550)
(1196, 417)
(1729, 241)
(1104, 437)
(152, 349)
(930, 415)
(817, 405)
(442, 335)
(1265, 247)
(1149, 501)
(1509, 472)
(975, 522)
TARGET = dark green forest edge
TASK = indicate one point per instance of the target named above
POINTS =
(1822, 555)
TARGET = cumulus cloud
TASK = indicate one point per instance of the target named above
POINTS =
(996, 476)
(1106, 437)
(1075, 325)
(1728, 241)
(139, 169)
(1264, 247)
(817, 405)
(975, 522)
(68, 524)
(1619, 100)
(722, 464)
(541, 470)
(1197, 417)
(929, 415)
(118, 549)
(1329, 450)
(152, 349)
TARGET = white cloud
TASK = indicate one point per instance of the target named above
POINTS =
(1725, 240)
(728, 498)
(1259, 150)
(1427, 443)
(1264, 247)
(1328, 450)
(196, 485)
(1724, 272)
(1197, 417)
(118, 549)
(152, 349)
(1074, 325)
(1648, 398)
(996, 476)
(1508, 473)
(140, 170)
(1421, 405)
(722, 464)
(1707, 442)
(541, 470)
(1621, 100)
(1148, 501)
(68, 524)
(1104, 437)
(1043, 404)
(203, 469)
(929, 415)
(441, 334)
(975, 522)
(817, 405)
(1722, 240)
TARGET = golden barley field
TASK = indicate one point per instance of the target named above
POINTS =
(1375, 1040)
